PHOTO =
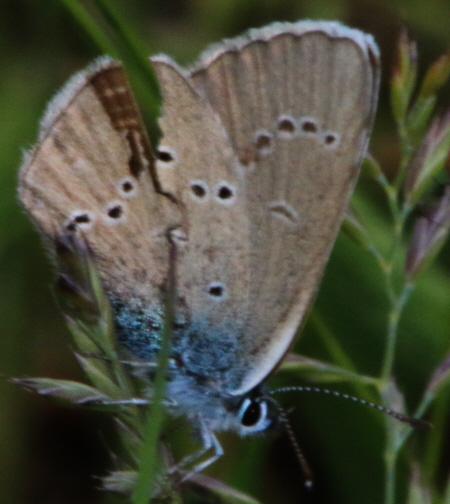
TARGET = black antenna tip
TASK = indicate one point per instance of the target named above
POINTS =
(420, 424)
(309, 484)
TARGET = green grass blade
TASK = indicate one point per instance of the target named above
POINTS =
(87, 21)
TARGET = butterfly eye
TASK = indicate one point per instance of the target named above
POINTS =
(254, 415)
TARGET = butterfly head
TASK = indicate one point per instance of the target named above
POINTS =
(250, 413)
(256, 413)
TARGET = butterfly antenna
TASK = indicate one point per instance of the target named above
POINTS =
(417, 423)
(306, 469)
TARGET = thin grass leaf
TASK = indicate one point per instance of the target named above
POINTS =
(126, 48)
(319, 371)
(101, 381)
(131, 440)
(130, 41)
(428, 160)
(429, 235)
(120, 481)
(72, 391)
(124, 482)
(419, 117)
(81, 337)
(89, 318)
(437, 76)
(422, 108)
(88, 22)
(371, 168)
(352, 227)
(440, 377)
(404, 77)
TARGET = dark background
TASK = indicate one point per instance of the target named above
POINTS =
(48, 453)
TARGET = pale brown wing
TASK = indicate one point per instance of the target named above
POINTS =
(91, 172)
(197, 165)
(298, 102)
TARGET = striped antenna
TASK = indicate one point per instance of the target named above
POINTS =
(417, 423)
(306, 469)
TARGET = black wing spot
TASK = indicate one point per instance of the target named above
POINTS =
(286, 127)
(166, 156)
(82, 219)
(115, 212)
(309, 126)
(263, 142)
(217, 291)
(199, 190)
(331, 139)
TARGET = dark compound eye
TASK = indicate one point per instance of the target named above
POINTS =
(252, 414)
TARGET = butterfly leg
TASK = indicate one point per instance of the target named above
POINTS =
(218, 452)
(209, 440)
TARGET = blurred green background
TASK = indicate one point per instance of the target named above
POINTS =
(49, 453)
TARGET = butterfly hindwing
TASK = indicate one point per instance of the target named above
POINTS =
(298, 103)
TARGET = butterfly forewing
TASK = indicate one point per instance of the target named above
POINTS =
(198, 166)
(91, 173)
(298, 106)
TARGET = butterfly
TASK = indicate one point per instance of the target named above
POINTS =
(262, 140)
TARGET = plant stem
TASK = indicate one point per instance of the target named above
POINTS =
(390, 458)
(392, 332)
(398, 296)
(148, 467)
